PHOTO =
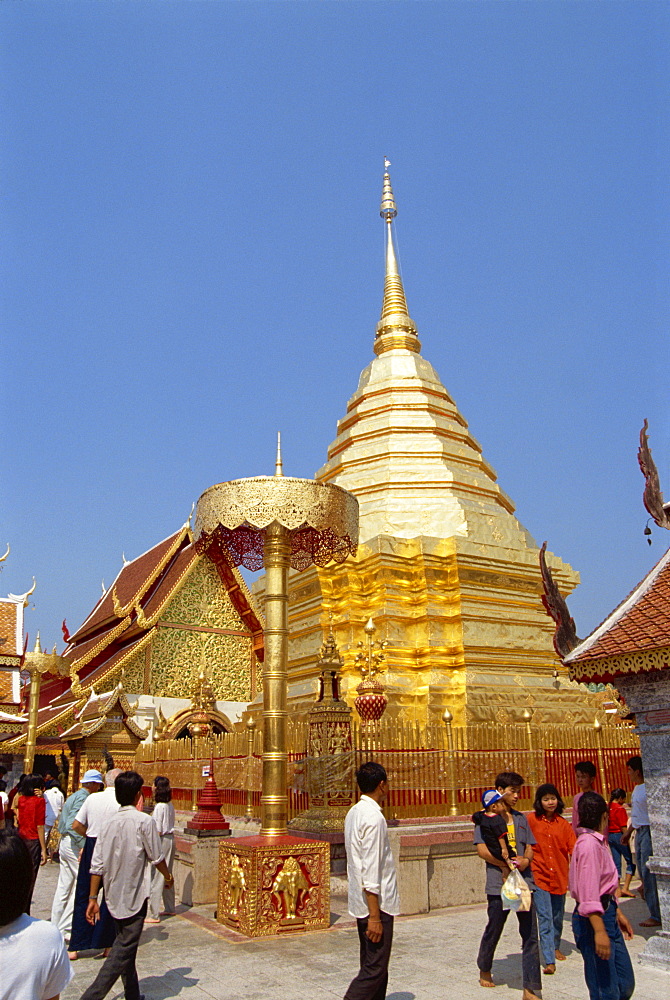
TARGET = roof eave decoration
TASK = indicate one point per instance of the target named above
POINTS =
(23, 598)
(140, 619)
(115, 667)
(608, 669)
(18, 741)
(123, 610)
(565, 633)
(76, 664)
(652, 497)
(91, 728)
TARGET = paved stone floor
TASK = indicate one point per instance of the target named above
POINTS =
(192, 957)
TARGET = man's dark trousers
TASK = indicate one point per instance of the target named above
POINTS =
(121, 960)
(373, 977)
(530, 957)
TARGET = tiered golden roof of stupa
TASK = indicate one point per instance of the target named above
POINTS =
(403, 448)
(448, 573)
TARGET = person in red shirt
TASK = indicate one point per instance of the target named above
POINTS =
(31, 816)
(617, 827)
(551, 859)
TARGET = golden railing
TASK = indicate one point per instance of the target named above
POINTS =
(433, 770)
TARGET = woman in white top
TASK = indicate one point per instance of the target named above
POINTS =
(53, 800)
(163, 817)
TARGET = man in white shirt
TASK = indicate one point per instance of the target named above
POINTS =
(93, 816)
(373, 891)
(639, 821)
(124, 852)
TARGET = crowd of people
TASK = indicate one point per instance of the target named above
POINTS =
(116, 861)
(115, 867)
(532, 861)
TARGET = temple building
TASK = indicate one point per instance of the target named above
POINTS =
(11, 657)
(447, 572)
(174, 641)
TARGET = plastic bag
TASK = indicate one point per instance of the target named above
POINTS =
(515, 893)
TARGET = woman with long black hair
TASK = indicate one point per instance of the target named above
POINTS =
(163, 817)
(31, 811)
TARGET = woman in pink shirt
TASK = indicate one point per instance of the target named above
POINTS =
(597, 921)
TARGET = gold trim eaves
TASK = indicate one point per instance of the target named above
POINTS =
(641, 661)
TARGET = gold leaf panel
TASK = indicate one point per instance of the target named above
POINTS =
(203, 601)
(178, 654)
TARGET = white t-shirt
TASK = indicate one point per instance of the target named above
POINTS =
(53, 798)
(370, 863)
(163, 817)
(33, 960)
(639, 814)
(96, 810)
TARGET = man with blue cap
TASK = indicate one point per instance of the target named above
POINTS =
(69, 850)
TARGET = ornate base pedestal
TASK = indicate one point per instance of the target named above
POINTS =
(271, 885)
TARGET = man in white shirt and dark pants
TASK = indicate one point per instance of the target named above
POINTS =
(373, 891)
(124, 852)
(639, 821)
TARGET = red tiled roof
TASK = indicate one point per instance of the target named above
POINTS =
(176, 569)
(641, 622)
(130, 584)
(10, 640)
(6, 686)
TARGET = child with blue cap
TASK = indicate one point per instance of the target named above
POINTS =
(493, 826)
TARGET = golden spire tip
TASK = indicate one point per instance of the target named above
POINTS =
(395, 328)
(279, 467)
(388, 210)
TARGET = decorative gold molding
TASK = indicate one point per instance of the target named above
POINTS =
(642, 661)
(77, 664)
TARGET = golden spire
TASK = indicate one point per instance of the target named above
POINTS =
(395, 328)
(279, 468)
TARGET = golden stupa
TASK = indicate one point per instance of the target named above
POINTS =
(446, 571)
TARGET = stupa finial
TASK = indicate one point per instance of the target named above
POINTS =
(395, 328)
(279, 467)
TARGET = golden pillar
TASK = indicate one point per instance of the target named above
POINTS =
(37, 664)
(527, 717)
(276, 882)
(452, 791)
(274, 800)
(597, 725)
(251, 733)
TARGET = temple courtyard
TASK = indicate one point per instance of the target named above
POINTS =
(192, 957)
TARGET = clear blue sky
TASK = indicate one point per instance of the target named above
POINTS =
(192, 259)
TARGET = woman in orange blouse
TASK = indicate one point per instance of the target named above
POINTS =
(551, 859)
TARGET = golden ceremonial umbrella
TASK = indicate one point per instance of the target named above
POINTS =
(279, 523)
